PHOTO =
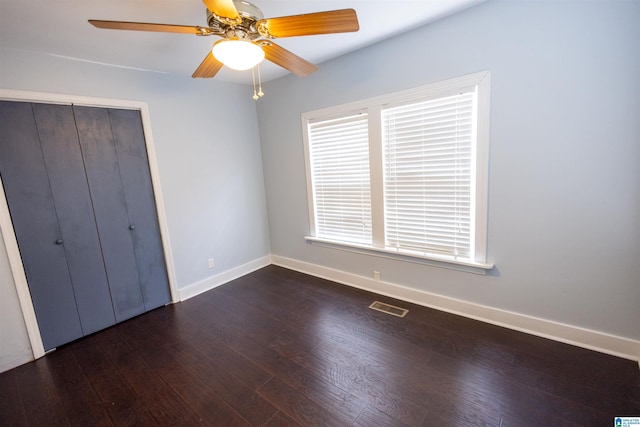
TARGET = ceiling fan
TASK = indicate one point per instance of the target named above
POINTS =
(247, 36)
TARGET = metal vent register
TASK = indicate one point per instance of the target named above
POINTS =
(389, 309)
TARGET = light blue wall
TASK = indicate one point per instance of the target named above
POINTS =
(206, 138)
(564, 208)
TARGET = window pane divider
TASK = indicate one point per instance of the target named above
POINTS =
(376, 177)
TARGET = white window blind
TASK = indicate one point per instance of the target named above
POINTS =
(339, 151)
(428, 200)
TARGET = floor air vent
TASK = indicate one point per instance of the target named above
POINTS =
(389, 309)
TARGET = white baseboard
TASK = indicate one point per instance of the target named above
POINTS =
(194, 289)
(590, 339)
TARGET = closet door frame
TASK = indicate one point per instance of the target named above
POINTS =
(6, 225)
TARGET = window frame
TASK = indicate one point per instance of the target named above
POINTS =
(481, 81)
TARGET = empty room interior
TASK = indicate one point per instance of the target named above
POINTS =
(407, 214)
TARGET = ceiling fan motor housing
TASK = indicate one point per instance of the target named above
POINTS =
(245, 27)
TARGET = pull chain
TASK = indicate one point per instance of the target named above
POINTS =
(260, 93)
(253, 77)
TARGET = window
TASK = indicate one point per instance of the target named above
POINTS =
(403, 174)
(340, 170)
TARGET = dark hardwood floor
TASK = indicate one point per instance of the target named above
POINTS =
(279, 348)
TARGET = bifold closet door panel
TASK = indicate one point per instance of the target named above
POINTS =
(68, 181)
(33, 214)
(131, 149)
(105, 185)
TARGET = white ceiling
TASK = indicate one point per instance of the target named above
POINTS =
(60, 28)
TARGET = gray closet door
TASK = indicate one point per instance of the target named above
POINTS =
(128, 134)
(36, 225)
(81, 199)
(63, 160)
(109, 206)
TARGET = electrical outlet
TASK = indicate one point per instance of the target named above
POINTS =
(211, 263)
(376, 276)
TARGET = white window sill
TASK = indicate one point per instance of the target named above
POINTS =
(405, 256)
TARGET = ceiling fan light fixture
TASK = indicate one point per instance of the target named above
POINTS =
(238, 54)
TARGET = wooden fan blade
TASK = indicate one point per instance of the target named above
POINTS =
(146, 26)
(208, 68)
(334, 21)
(222, 8)
(288, 60)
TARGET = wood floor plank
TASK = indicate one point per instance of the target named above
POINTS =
(621, 383)
(119, 400)
(251, 321)
(435, 338)
(82, 405)
(281, 420)
(280, 348)
(210, 408)
(525, 402)
(391, 398)
(497, 374)
(297, 406)
(371, 417)
(207, 345)
(461, 399)
(164, 405)
(191, 375)
(42, 404)
(300, 379)
(245, 401)
(398, 351)
(11, 407)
